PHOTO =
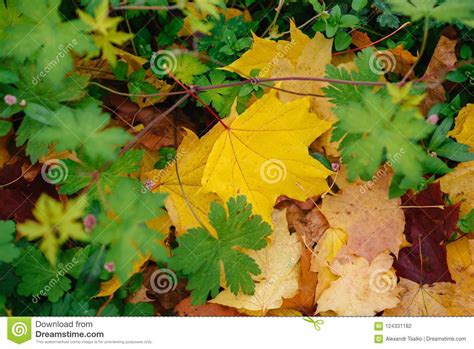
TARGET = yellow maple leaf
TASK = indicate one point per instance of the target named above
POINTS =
(463, 130)
(186, 204)
(324, 253)
(56, 223)
(363, 289)
(265, 53)
(264, 154)
(104, 29)
(459, 185)
(280, 272)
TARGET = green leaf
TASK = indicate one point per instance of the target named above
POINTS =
(348, 21)
(39, 278)
(466, 223)
(123, 229)
(447, 11)
(358, 5)
(187, 67)
(139, 309)
(341, 94)
(84, 128)
(220, 98)
(5, 127)
(80, 175)
(48, 38)
(200, 255)
(7, 76)
(8, 250)
(342, 41)
(379, 131)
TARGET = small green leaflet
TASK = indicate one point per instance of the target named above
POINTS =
(123, 228)
(466, 223)
(200, 254)
(40, 279)
(187, 67)
(220, 98)
(8, 251)
(446, 11)
(377, 131)
(84, 128)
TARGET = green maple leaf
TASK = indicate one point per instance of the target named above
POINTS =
(83, 128)
(39, 278)
(123, 228)
(8, 250)
(80, 174)
(56, 223)
(447, 11)
(187, 67)
(376, 131)
(200, 255)
(41, 32)
(341, 94)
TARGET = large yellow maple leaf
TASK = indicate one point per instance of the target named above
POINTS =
(279, 262)
(264, 154)
(459, 185)
(186, 204)
(363, 289)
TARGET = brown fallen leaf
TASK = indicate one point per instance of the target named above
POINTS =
(373, 222)
(163, 134)
(185, 308)
(403, 58)
(304, 299)
(304, 218)
(363, 289)
(442, 60)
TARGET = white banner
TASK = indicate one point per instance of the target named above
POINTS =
(237, 332)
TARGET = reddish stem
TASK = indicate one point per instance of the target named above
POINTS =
(373, 43)
(195, 96)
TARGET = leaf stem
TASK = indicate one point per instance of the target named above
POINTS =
(426, 28)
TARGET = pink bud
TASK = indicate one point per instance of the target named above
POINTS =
(10, 99)
(433, 119)
(110, 267)
(149, 184)
(89, 222)
(335, 166)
